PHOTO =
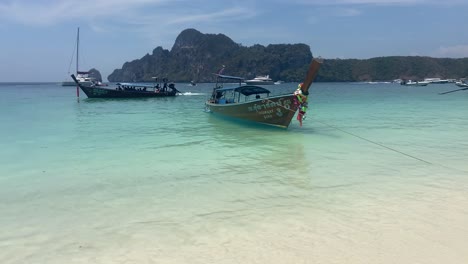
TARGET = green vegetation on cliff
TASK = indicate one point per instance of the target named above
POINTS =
(390, 68)
(196, 56)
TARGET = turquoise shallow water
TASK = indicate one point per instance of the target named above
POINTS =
(377, 174)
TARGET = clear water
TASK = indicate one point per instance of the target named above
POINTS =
(377, 174)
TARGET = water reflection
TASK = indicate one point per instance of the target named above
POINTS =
(273, 155)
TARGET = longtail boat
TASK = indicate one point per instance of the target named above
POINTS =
(254, 103)
(127, 90)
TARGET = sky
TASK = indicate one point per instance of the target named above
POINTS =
(37, 37)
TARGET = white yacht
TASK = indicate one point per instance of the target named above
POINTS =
(412, 83)
(436, 80)
(461, 84)
(260, 80)
(83, 78)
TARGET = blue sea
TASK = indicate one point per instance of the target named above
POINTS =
(378, 173)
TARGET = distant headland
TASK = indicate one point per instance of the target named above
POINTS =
(196, 56)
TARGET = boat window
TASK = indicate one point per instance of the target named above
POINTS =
(229, 96)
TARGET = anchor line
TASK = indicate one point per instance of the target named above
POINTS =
(376, 143)
(379, 144)
(389, 148)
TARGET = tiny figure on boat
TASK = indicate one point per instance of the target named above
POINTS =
(218, 96)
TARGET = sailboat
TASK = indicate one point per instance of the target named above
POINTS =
(82, 76)
(128, 90)
(95, 89)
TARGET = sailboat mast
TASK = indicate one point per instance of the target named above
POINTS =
(77, 59)
(77, 49)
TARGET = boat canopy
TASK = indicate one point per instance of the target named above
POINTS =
(135, 84)
(246, 90)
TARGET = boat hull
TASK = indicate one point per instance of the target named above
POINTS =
(260, 82)
(275, 111)
(102, 92)
(410, 83)
(73, 83)
(415, 84)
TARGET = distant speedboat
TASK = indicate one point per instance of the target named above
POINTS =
(279, 82)
(411, 83)
(436, 80)
(84, 79)
(461, 84)
(260, 80)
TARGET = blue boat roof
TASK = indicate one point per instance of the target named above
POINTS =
(246, 90)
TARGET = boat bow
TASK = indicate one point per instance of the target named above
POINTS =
(310, 76)
(302, 92)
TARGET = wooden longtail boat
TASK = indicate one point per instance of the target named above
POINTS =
(276, 111)
(127, 90)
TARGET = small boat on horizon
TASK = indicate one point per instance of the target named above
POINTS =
(83, 78)
(260, 80)
(461, 84)
(412, 83)
(436, 80)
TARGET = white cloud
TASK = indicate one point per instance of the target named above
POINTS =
(43, 13)
(227, 14)
(377, 2)
(40, 13)
(457, 51)
(386, 2)
(144, 17)
(312, 20)
(97, 28)
(347, 12)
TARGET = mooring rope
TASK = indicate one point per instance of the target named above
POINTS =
(373, 142)
(389, 148)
